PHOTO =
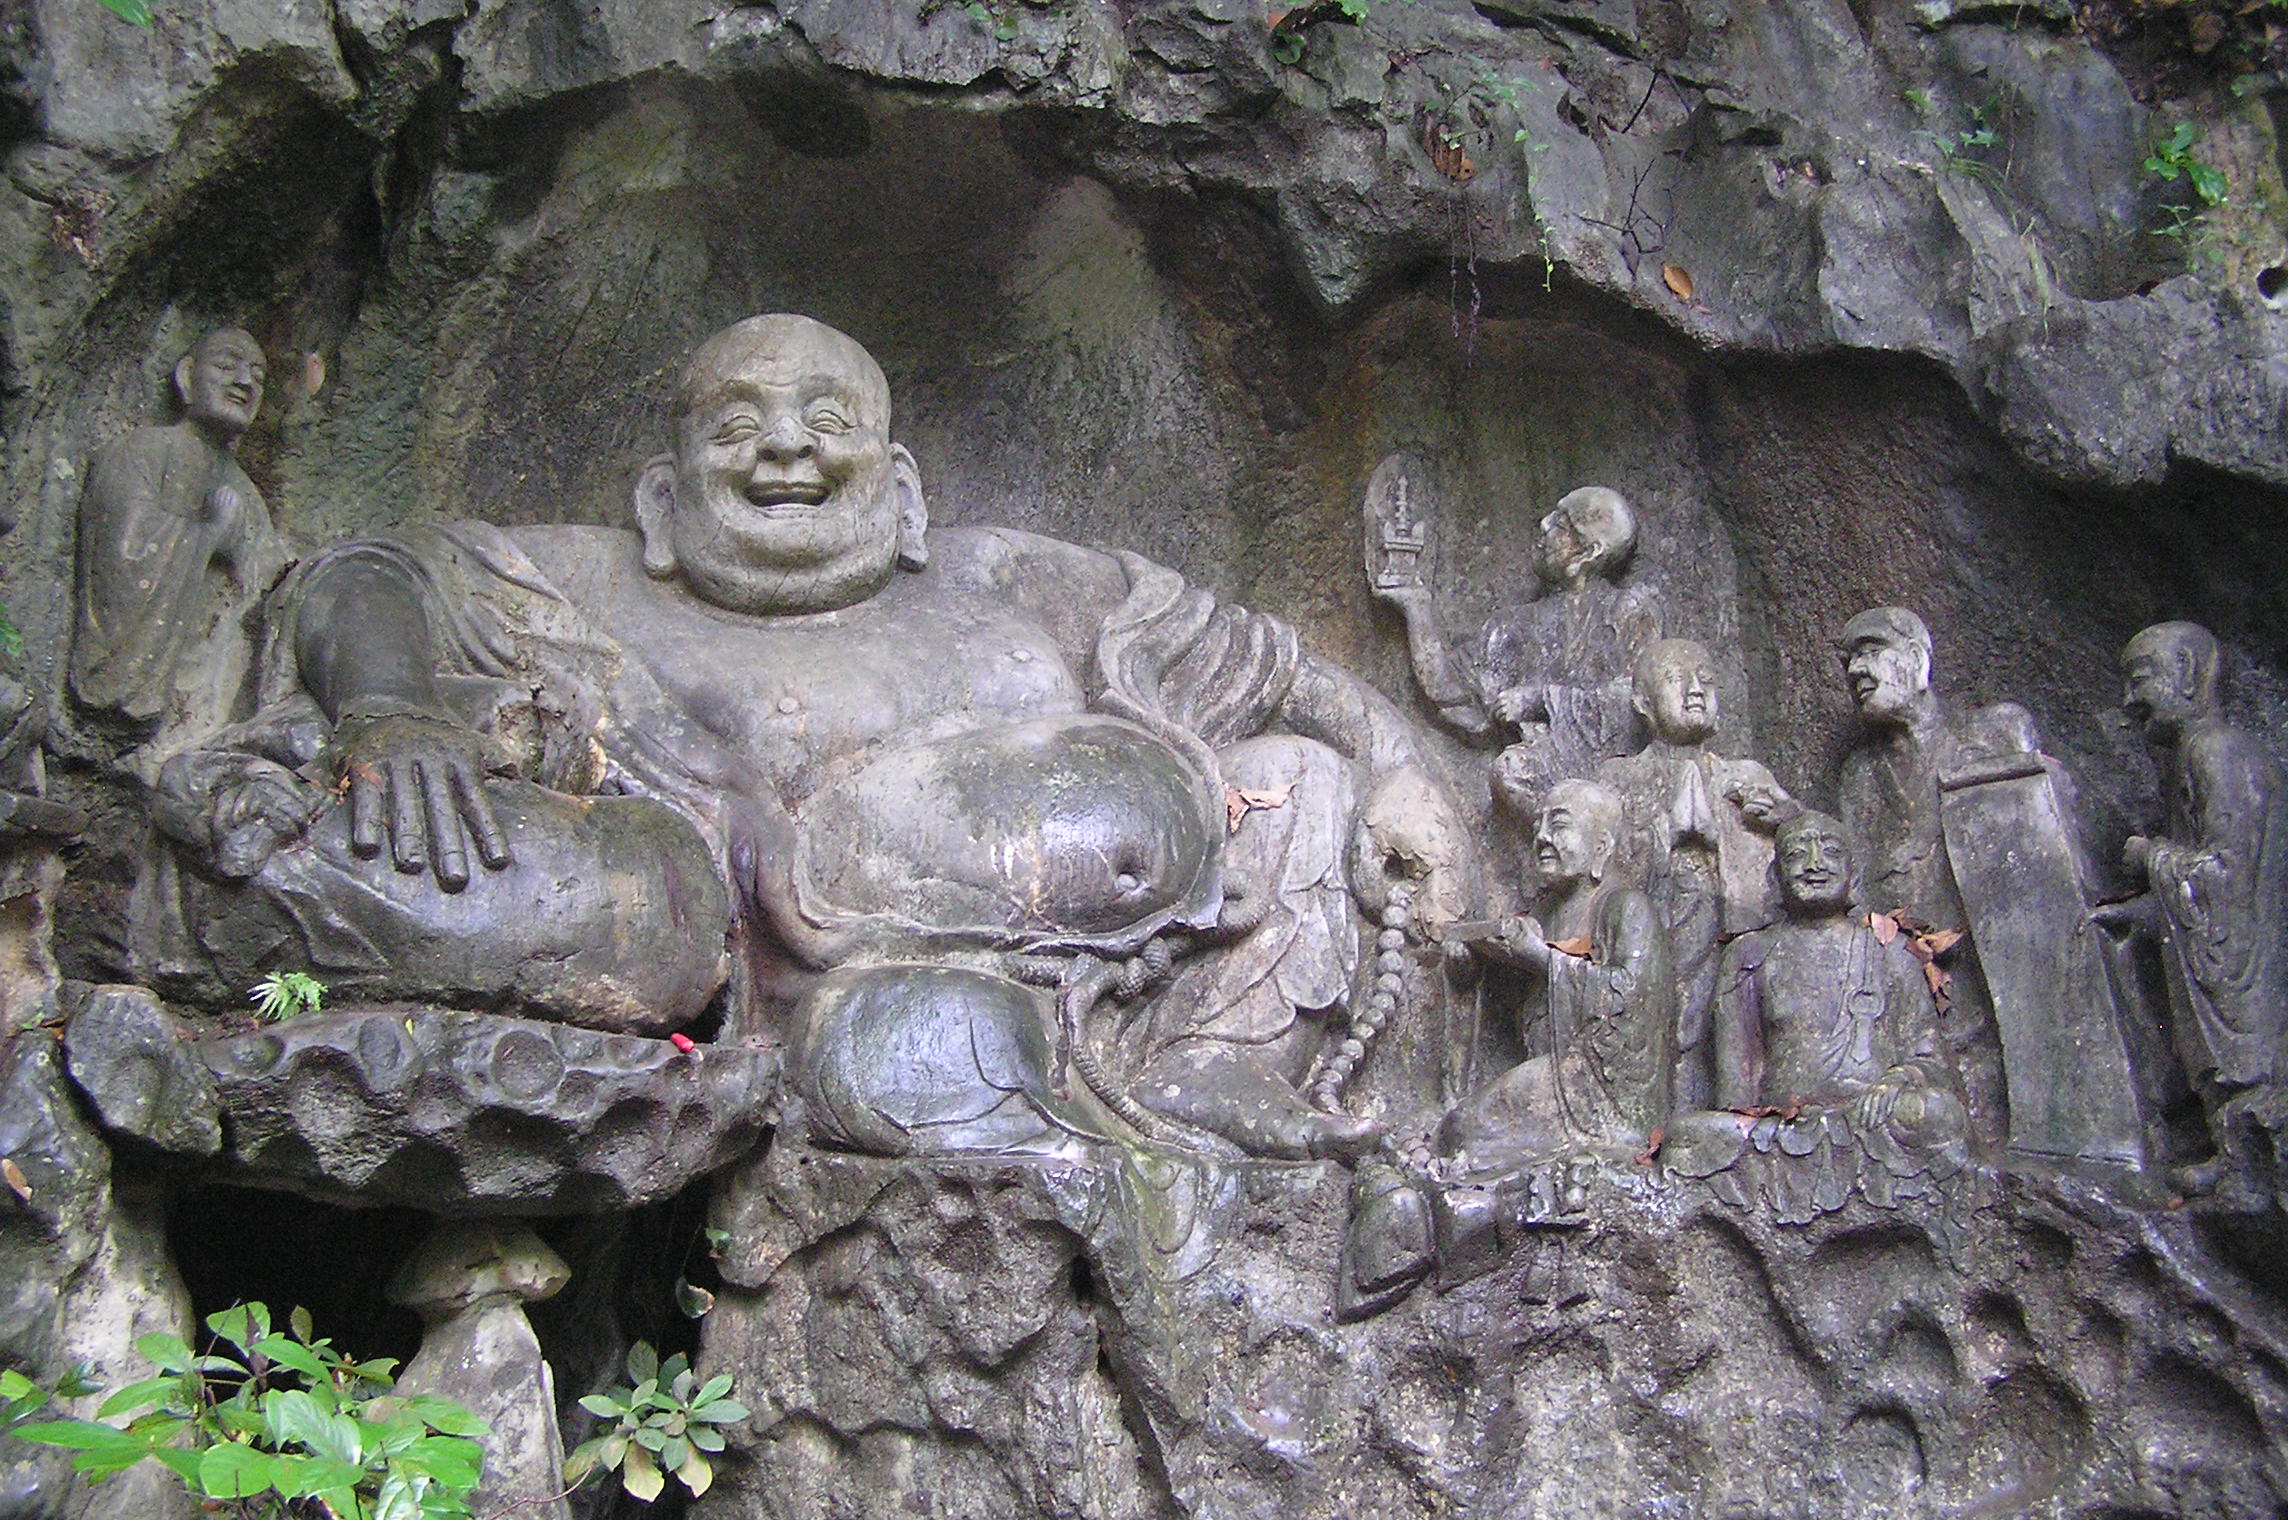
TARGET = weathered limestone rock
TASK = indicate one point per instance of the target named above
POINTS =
(85, 1269)
(137, 1067)
(1054, 1340)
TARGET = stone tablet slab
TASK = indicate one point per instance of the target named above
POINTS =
(2072, 1089)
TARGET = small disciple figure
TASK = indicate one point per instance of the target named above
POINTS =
(176, 550)
(1888, 795)
(1823, 1009)
(1556, 673)
(1604, 1003)
(2218, 898)
(1697, 833)
(1826, 1051)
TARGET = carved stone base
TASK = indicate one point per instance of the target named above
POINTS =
(467, 1113)
(1152, 1337)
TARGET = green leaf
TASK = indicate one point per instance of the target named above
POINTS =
(696, 1473)
(80, 1435)
(166, 1352)
(715, 1388)
(137, 11)
(290, 1353)
(449, 1459)
(693, 1300)
(299, 1323)
(78, 1383)
(643, 1362)
(604, 1406)
(2208, 182)
(650, 1437)
(140, 1396)
(241, 1324)
(641, 1475)
(675, 1453)
(299, 1477)
(291, 1417)
(706, 1437)
(584, 1459)
(232, 1471)
(721, 1412)
(446, 1417)
(183, 1464)
(718, 1239)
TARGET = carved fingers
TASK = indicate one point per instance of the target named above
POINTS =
(265, 807)
(416, 784)
(1516, 704)
(1526, 941)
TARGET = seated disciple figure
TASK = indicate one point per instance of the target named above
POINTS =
(1603, 1007)
(2218, 893)
(1697, 832)
(1556, 671)
(1826, 1047)
(924, 790)
(176, 552)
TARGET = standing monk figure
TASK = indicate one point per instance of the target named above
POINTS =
(2218, 894)
(176, 549)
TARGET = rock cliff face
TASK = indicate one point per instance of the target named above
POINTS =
(1861, 303)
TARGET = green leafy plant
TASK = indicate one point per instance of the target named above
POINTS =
(1962, 151)
(664, 1424)
(2173, 159)
(137, 11)
(285, 1427)
(285, 994)
(1509, 93)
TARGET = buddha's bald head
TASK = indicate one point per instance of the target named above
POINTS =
(780, 347)
(784, 493)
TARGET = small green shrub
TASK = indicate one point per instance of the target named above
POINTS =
(2173, 159)
(664, 1423)
(287, 1427)
(285, 994)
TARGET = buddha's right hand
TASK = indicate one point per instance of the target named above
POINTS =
(418, 781)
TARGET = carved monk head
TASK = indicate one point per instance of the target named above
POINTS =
(1813, 855)
(1675, 691)
(1886, 660)
(784, 492)
(2169, 677)
(1592, 531)
(220, 380)
(1575, 832)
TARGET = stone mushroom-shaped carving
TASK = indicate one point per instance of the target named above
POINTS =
(469, 1282)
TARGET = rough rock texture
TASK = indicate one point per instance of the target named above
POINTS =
(470, 1112)
(1076, 1342)
(1136, 281)
(84, 1263)
(136, 1066)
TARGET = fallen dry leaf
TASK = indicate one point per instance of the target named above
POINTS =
(1886, 927)
(1652, 1145)
(1239, 801)
(1678, 280)
(1577, 947)
(1446, 156)
(14, 1175)
(1941, 940)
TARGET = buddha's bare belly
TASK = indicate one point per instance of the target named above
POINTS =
(1076, 826)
